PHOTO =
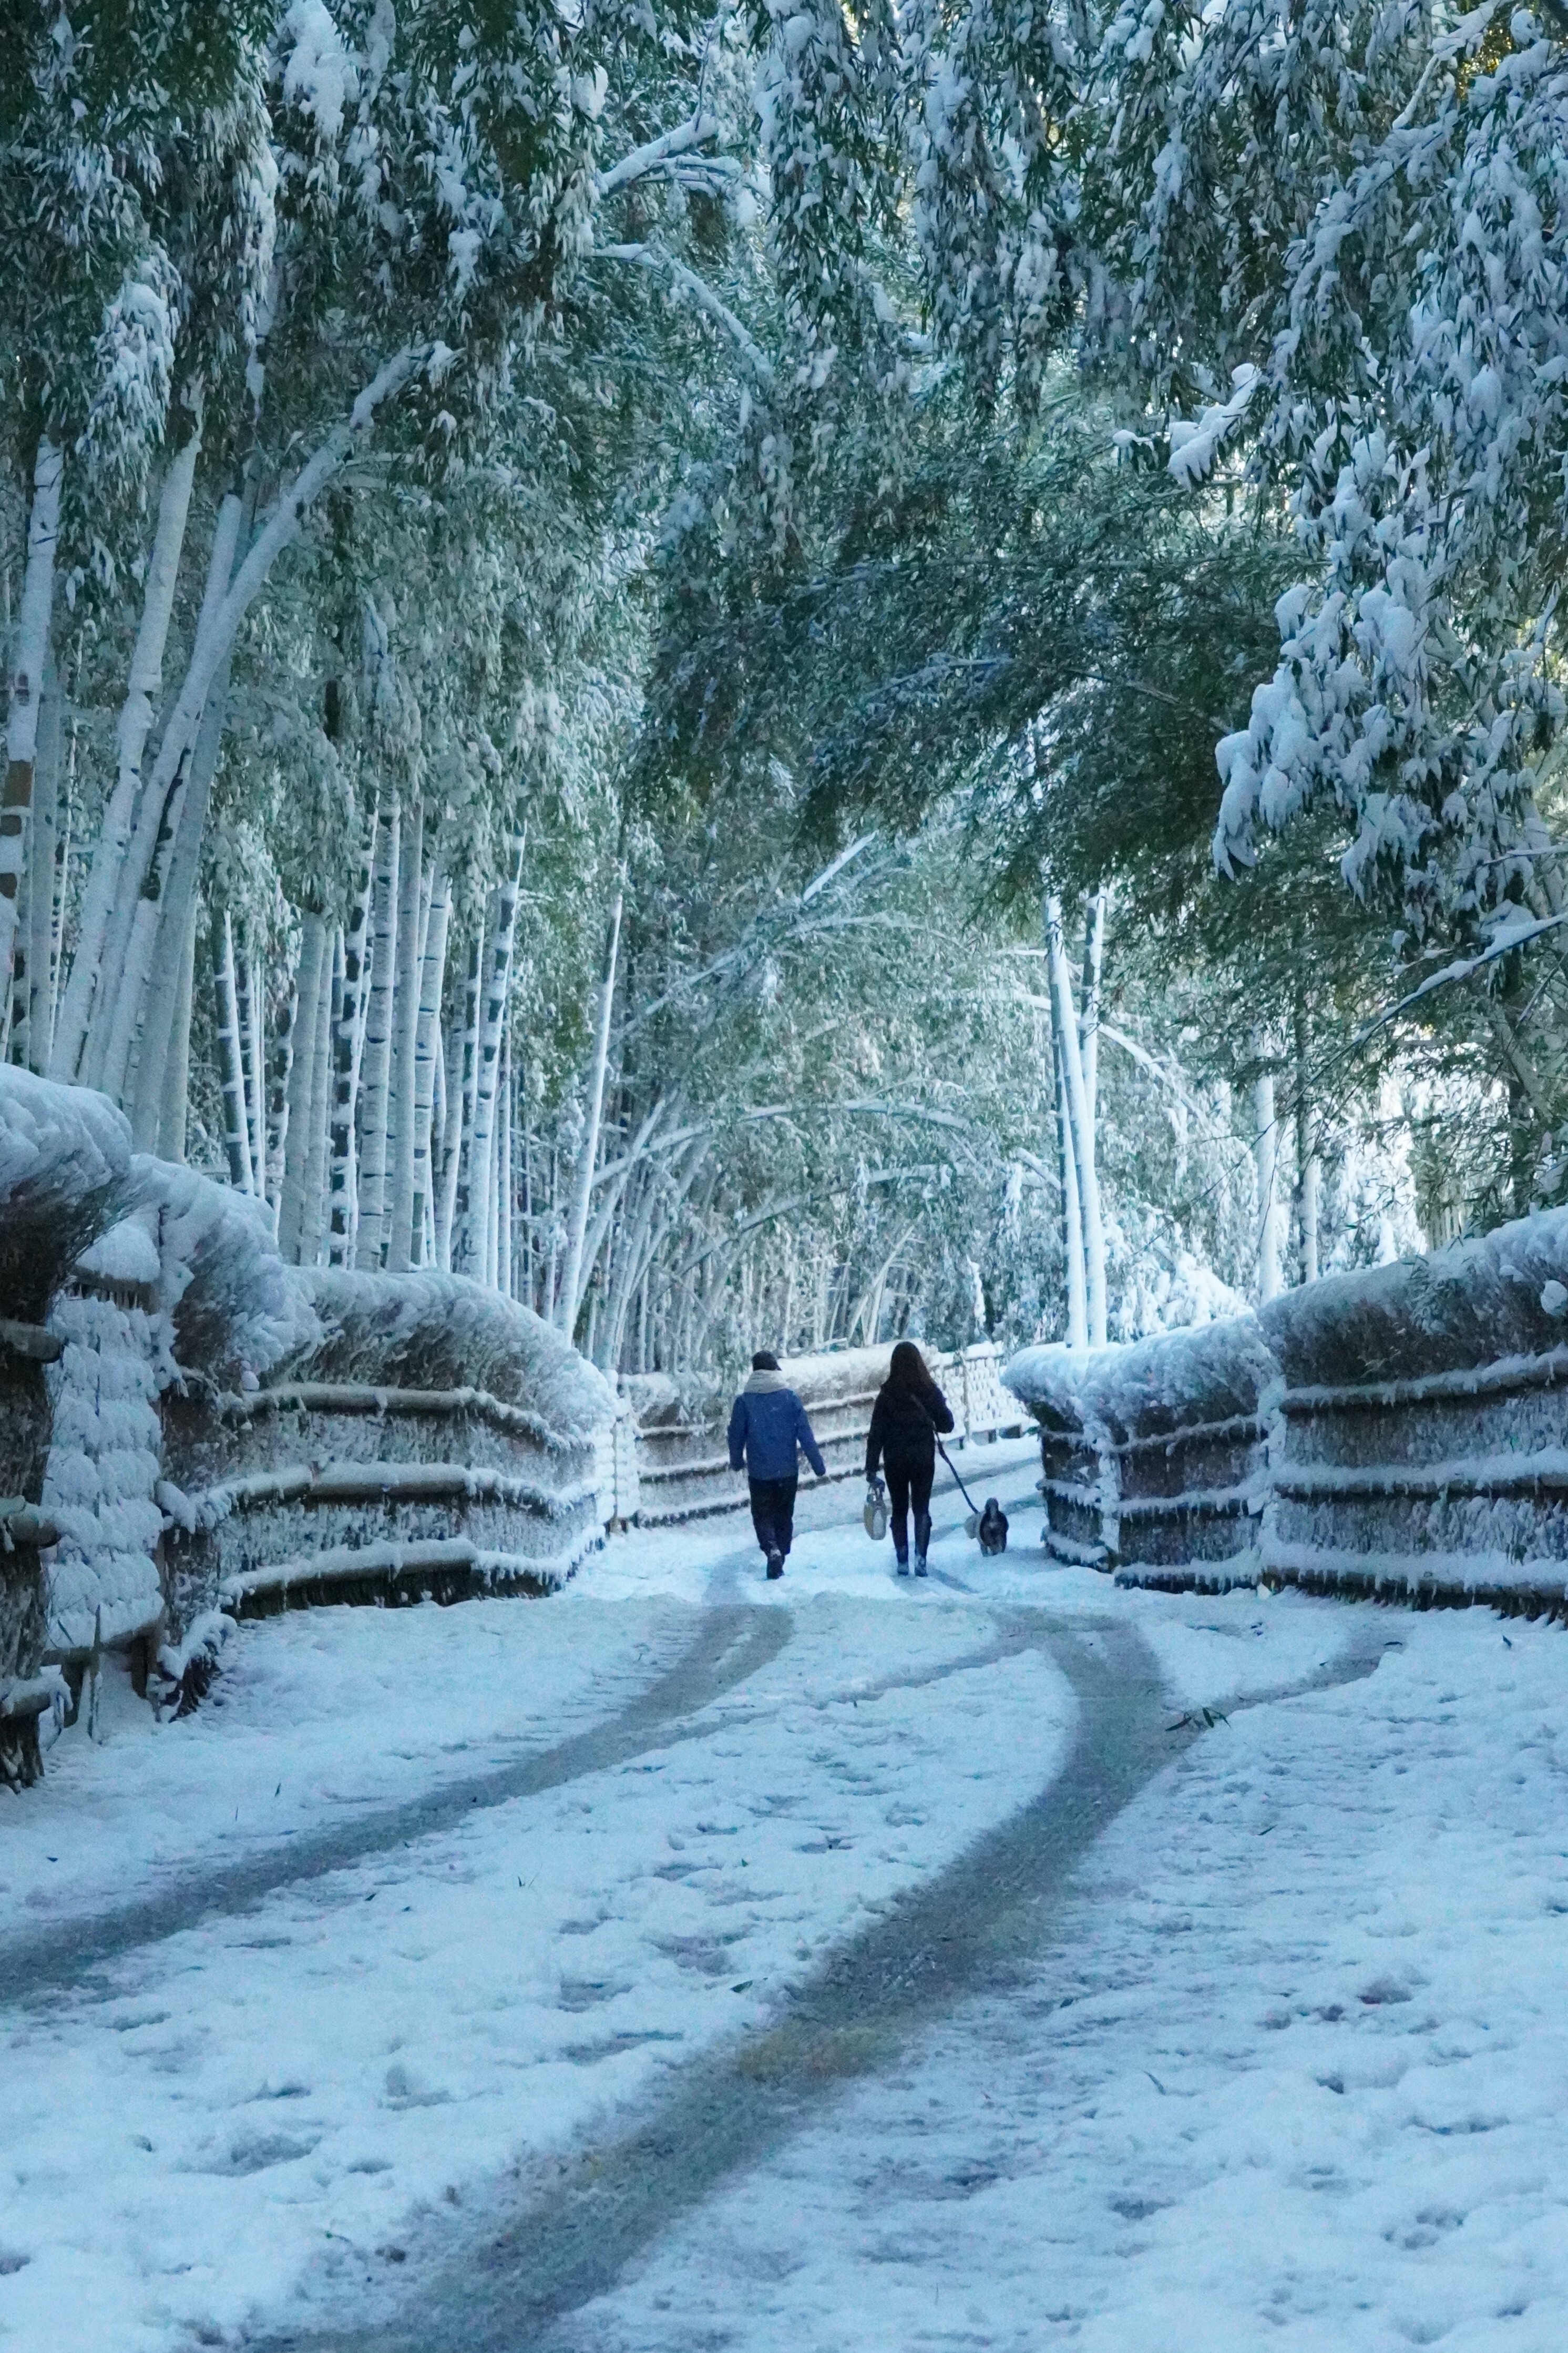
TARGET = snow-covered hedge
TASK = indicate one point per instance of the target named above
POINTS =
(202, 1430)
(1420, 1449)
(1401, 1432)
(420, 1436)
(63, 1154)
(1153, 1455)
(439, 1332)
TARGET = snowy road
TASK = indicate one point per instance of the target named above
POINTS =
(686, 1962)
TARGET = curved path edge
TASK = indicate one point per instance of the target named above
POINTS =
(733, 1642)
(973, 1927)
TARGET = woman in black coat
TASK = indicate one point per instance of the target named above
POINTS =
(909, 1413)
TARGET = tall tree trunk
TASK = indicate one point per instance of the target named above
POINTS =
(329, 998)
(375, 1091)
(313, 953)
(109, 903)
(285, 1045)
(28, 666)
(427, 1058)
(400, 1240)
(491, 1275)
(505, 1278)
(162, 943)
(475, 1227)
(1072, 1216)
(1308, 1164)
(174, 1107)
(1089, 1027)
(212, 646)
(457, 1190)
(1082, 1128)
(552, 1256)
(64, 821)
(1265, 1154)
(248, 979)
(32, 1010)
(588, 1154)
(343, 1208)
(235, 1134)
(149, 986)
(1390, 1116)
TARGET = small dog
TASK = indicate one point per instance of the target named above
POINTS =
(992, 1528)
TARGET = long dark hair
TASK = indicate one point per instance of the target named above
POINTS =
(909, 1371)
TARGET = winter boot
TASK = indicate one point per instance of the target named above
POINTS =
(903, 1561)
(922, 1541)
(776, 1564)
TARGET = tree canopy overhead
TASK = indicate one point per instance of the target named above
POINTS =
(472, 476)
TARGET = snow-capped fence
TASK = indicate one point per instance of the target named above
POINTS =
(61, 1159)
(683, 1463)
(317, 1437)
(1420, 1447)
(1151, 1455)
(428, 1438)
(1401, 1433)
(190, 1431)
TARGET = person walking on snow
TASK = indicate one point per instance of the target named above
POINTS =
(766, 1426)
(910, 1412)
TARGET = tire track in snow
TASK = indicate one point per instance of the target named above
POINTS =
(976, 1927)
(733, 1641)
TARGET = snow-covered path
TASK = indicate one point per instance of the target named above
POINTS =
(1309, 2093)
(685, 1960)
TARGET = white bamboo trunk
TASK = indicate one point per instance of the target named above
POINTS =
(302, 1080)
(109, 903)
(213, 644)
(1309, 1168)
(401, 1114)
(588, 1154)
(29, 659)
(328, 995)
(459, 1190)
(284, 1042)
(376, 1073)
(149, 985)
(65, 816)
(163, 942)
(1265, 1156)
(438, 1130)
(427, 1059)
(174, 1107)
(247, 975)
(472, 1239)
(1311, 1215)
(504, 1271)
(343, 1203)
(33, 975)
(236, 1136)
(489, 1274)
(1390, 1115)
(1082, 1128)
(1072, 1216)
(1093, 969)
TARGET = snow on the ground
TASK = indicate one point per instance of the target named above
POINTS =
(230, 2118)
(217, 2112)
(1299, 2076)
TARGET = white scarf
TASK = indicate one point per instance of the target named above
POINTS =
(766, 1383)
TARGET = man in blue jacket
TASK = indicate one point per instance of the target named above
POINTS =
(766, 1426)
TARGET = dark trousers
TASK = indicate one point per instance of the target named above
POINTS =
(772, 1512)
(909, 1482)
